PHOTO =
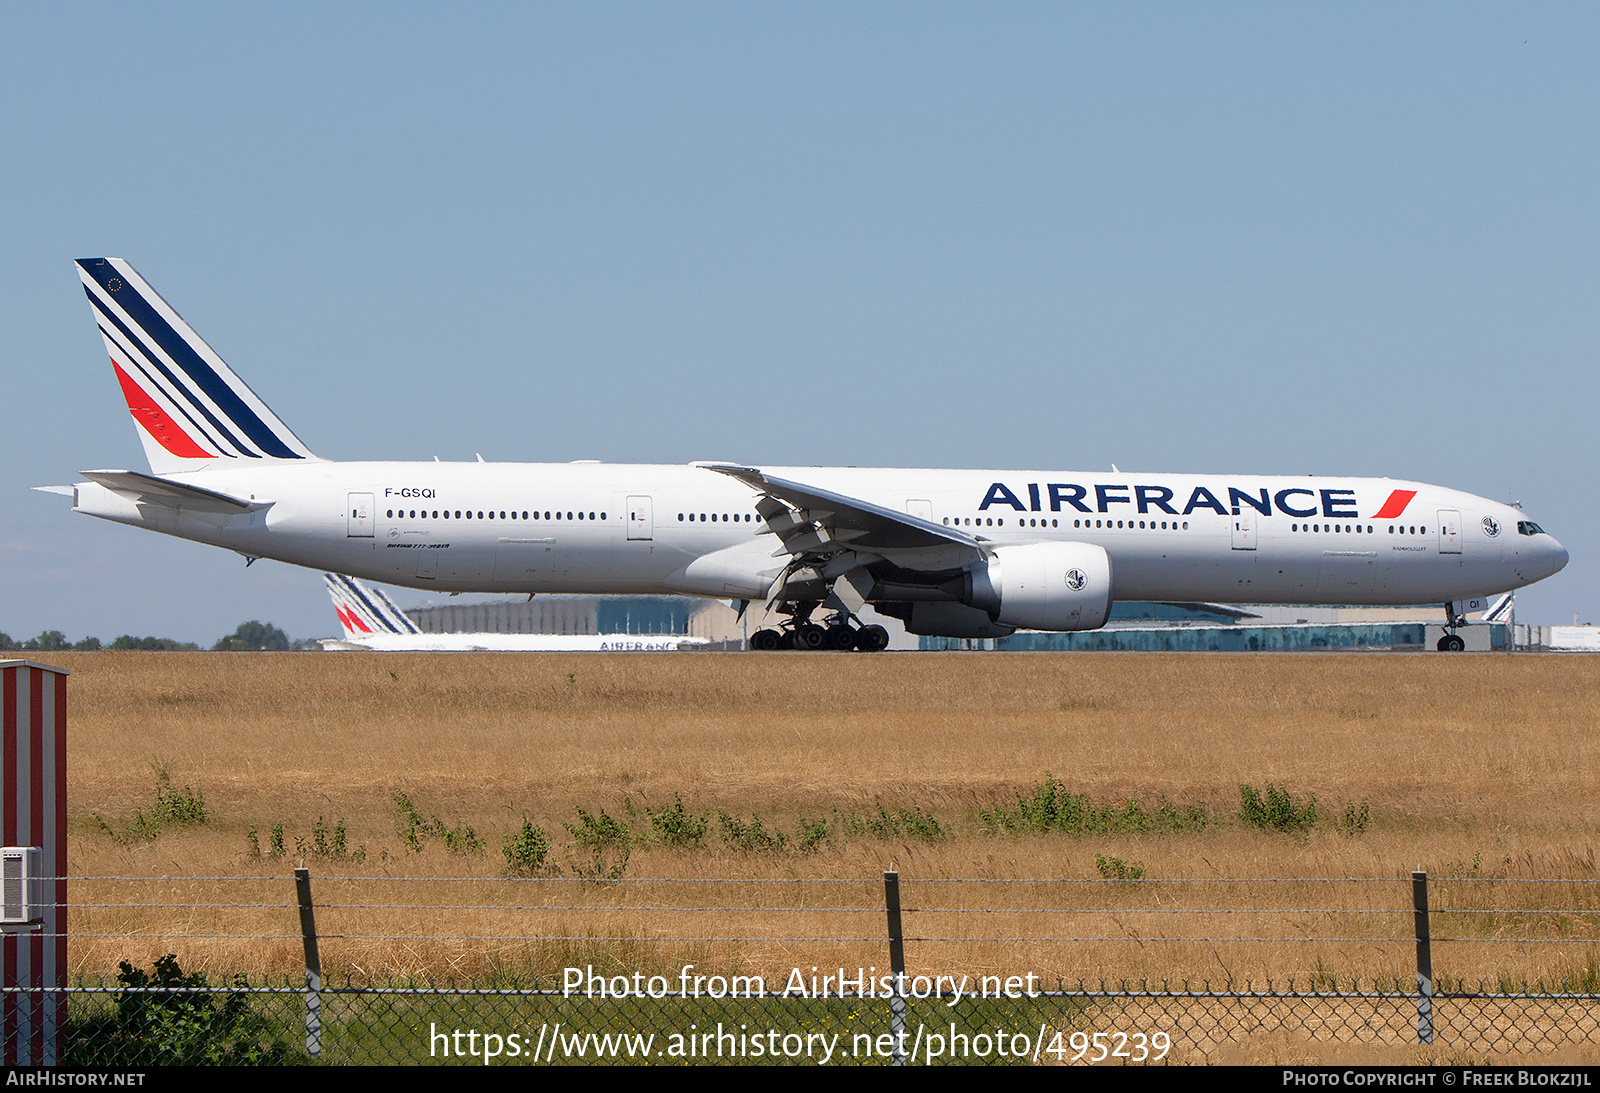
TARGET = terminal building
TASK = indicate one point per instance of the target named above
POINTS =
(1147, 627)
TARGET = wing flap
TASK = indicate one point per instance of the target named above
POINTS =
(809, 519)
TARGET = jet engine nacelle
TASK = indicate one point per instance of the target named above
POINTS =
(1045, 586)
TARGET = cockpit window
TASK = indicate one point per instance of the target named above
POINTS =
(1528, 527)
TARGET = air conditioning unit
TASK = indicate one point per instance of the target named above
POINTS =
(19, 884)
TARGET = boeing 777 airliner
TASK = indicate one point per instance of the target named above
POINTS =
(949, 552)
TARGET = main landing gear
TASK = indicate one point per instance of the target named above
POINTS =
(801, 633)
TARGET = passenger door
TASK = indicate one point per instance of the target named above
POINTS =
(641, 523)
(1449, 531)
(1244, 531)
(360, 516)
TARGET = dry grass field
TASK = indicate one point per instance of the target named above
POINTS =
(1484, 766)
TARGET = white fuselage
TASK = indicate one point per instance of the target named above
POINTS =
(652, 529)
(514, 643)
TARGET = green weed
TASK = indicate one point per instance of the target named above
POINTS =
(673, 825)
(906, 823)
(1354, 820)
(809, 835)
(1051, 808)
(180, 808)
(414, 827)
(526, 851)
(752, 837)
(1117, 869)
(162, 1020)
(604, 842)
(1276, 811)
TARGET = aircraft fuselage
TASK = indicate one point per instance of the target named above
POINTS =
(649, 529)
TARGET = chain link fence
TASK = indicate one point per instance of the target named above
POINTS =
(264, 1024)
(739, 980)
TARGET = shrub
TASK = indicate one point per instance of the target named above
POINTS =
(606, 842)
(1051, 808)
(163, 1019)
(752, 837)
(526, 851)
(675, 825)
(1276, 811)
(809, 835)
(186, 808)
(182, 808)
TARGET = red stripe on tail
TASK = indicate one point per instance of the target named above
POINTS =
(156, 421)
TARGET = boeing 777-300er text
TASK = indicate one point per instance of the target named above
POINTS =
(372, 622)
(973, 554)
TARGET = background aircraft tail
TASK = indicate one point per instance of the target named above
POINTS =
(190, 409)
(365, 611)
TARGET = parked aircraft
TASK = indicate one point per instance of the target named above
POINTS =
(372, 622)
(960, 553)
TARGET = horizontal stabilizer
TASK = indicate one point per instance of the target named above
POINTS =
(152, 490)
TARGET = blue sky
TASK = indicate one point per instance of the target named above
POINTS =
(1344, 239)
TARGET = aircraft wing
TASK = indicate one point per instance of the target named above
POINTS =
(808, 519)
(153, 490)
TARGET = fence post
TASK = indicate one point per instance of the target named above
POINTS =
(1419, 910)
(897, 967)
(308, 934)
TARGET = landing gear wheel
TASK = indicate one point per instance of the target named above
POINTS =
(1451, 643)
(872, 639)
(766, 641)
(841, 637)
(810, 637)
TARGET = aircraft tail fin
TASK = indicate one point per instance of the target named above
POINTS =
(1502, 609)
(190, 408)
(365, 611)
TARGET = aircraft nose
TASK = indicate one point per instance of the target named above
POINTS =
(1556, 556)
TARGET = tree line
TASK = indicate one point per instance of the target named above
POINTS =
(252, 636)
